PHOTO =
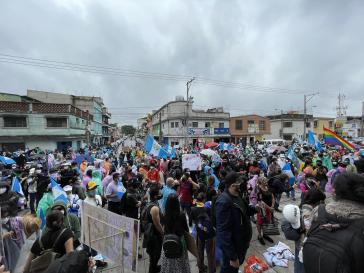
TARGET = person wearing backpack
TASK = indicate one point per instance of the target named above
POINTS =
(201, 216)
(335, 241)
(55, 242)
(174, 249)
(151, 226)
(278, 185)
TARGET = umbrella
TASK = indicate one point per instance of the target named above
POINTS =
(6, 160)
(211, 145)
(208, 152)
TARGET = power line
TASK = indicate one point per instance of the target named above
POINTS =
(68, 66)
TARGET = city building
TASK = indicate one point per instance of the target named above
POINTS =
(249, 128)
(28, 123)
(177, 123)
(99, 128)
(288, 126)
(352, 127)
(319, 123)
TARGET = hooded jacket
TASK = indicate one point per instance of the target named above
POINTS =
(70, 220)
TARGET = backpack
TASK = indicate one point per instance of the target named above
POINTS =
(172, 246)
(145, 216)
(46, 257)
(205, 228)
(333, 243)
(75, 261)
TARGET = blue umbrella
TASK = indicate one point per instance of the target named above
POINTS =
(6, 160)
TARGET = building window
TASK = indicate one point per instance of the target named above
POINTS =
(262, 125)
(250, 123)
(287, 124)
(172, 124)
(176, 124)
(57, 122)
(207, 124)
(287, 137)
(315, 124)
(238, 124)
(221, 125)
(308, 124)
(163, 125)
(331, 124)
(15, 122)
(195, 124)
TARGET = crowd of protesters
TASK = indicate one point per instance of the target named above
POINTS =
(219, 204)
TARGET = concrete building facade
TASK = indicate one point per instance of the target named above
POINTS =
(99, 127)
(44, 125)
(177, 123)
(249, 128)
(319, 123)
(289, 126)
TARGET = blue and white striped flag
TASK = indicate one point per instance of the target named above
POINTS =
(171, 152)
(16, 186)
(58, 193)
(121, 190)
(287, 170)
(225, 146)
(312, 140)
(152, 147)
(42, 218)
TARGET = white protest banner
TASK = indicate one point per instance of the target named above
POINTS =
(191, 162)
(113, 236)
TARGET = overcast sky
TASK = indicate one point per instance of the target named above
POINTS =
(310, 46)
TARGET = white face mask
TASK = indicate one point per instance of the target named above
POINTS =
(2, 190)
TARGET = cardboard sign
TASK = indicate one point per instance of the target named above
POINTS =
(191, 162)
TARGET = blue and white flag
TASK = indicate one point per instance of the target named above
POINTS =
(225, 146)
(121, 190)
(171, 152)
(287, 170)
(58, 193)
(16, 186)
(312, 140)
(152, 147)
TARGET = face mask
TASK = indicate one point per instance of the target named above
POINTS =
(2, 190)
(62, 211)
(159, 197)
(69, 196)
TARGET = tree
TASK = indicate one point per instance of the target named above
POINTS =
(128, 130)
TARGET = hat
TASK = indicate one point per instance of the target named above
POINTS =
(293, 215)
(91, 185)
(67, 188)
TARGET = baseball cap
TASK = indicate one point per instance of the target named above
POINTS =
(293, 215)
(91, 185)
(67, 188)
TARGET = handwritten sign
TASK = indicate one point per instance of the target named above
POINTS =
(191, 162)
(112, 235)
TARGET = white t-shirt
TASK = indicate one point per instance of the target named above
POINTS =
(97, 201)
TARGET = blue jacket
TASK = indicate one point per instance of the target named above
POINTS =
(233, 227)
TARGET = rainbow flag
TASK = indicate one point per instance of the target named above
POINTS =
(333, 139)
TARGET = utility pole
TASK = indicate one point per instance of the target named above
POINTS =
(281, 134)
(160, 126)
(362, 120)
(188, 85)
(307, 98)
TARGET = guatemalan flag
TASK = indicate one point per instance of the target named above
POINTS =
(121, 190)
(287, 170)
(58, 193)
(312, 140)
(225, 146)
(16, 186)
(152, 147)
(171, 152)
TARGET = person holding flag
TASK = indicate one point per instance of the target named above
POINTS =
(114, 193)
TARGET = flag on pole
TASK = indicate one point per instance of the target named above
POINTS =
(333, 139)
(152, 147)
(171, 152)
(16, 186)
(287, 170)
(225, 146)
(58, 193)
(312, 140)
(121, 190)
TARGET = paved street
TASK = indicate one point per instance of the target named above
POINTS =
(255, 249)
